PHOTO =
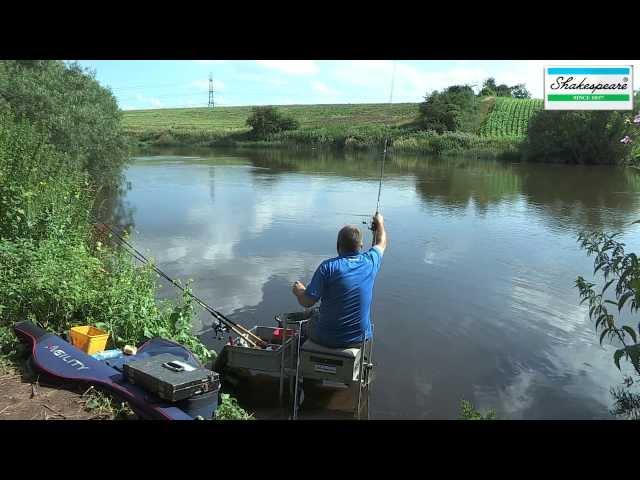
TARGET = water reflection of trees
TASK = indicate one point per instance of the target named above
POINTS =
(566, 196)
(582, 197)
(347, 164)
(455, 182)
(110, 207)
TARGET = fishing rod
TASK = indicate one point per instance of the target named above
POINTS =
(246, 334)
(384, 157)
(235, 327)
(373, 241)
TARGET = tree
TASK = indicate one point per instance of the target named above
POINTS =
(503, 90)
(449, 110)
(75, 113)
(489, 88)
(520, 91)
(265, 121)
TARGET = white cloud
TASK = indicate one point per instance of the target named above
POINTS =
(323, 89)
(155, 102)
(413, 81)
(373, 77)
(517, 397)
(291, 67)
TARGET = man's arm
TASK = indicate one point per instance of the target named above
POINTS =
(303, 299)
(380, 235)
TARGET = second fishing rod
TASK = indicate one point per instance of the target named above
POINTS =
(248, 335)
(103, 228)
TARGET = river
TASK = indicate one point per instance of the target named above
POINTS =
(475, 298)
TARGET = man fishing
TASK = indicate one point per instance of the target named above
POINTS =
(345, 286)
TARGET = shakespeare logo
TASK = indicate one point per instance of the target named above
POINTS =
(588, 88)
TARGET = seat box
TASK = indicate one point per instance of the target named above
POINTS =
(332, 364)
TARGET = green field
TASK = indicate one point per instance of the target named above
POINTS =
(503, 123)
(509, 117)
(232, 119)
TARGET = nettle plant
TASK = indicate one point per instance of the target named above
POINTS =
(621, 272)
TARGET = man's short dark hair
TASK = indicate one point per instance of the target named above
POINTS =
(349, 239)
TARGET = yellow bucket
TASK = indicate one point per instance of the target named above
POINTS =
(89, 339)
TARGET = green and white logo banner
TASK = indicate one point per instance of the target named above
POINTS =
(588, 88)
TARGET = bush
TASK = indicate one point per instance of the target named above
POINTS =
(468, 412)
(449, 110)
(265, 121)
(455, 143)
(230, 410)
(620, 272)
(580, 137)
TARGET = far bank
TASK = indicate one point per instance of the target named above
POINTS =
(342, 127)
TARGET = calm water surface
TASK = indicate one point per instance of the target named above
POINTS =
(475, 298)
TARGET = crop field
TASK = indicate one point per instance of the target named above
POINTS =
(232, 119)
(509, 117)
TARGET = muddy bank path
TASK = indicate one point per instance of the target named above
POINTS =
(24, 397)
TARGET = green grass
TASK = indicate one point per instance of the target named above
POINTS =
(232, 119)
(509, 117)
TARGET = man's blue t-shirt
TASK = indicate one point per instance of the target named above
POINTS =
(345, 286)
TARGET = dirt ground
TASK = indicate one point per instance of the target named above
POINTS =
(33, 397)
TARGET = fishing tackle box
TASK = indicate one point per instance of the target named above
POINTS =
(261, 359)
(170, 378)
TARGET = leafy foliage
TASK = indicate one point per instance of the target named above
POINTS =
(490, 89)
(265, 121)
(228, 409)
(468, 412)
(449, 110)
(621, 275)
(70, 109)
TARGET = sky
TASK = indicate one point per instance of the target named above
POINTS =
(145, 84)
